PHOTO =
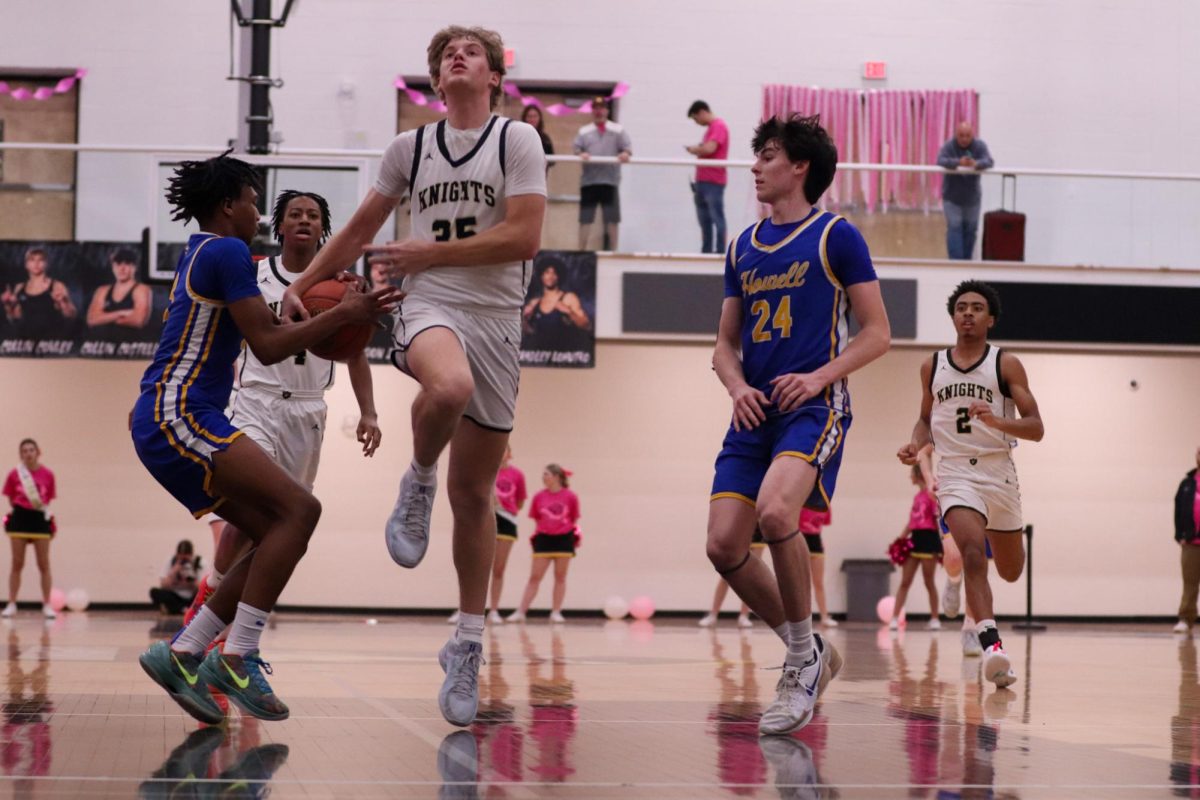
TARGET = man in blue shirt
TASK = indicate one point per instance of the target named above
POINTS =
(961, 196)
(783, 352)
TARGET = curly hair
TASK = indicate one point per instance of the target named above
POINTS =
(803, 139)
(281, 206)
(197, 188)
(493, 46)
(978, 287)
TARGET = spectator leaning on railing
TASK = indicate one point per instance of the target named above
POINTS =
(961, 195)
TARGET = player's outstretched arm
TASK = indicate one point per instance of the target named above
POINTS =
(749, 404)
(271, 342)
(368, 433)
(340, 252)
(517, 238)
(1029, 425)
(920, 447)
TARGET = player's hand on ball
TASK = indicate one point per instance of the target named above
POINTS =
(748, 407)
(794, 388)
(363, 307)
(981, 411)
(291, 308)
(401, 258)
(369, 434)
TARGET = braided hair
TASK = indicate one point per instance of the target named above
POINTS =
(280, 211)
(197, 188)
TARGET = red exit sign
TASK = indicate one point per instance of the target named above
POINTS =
(875, 70)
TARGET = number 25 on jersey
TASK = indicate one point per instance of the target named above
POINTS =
(780, 320)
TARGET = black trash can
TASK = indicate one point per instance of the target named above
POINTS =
(867, 582)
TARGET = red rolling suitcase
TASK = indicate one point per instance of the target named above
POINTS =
(1003, 230)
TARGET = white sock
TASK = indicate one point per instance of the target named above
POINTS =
(953, 579)
(214, 579)
(247, 629)
(984, 625)
(782, 632)
(800, 643)
(199, 634)
(470, 628)
(424, 474)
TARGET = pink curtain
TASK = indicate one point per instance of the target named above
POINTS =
(881, 126)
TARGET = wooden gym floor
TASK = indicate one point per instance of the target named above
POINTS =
(606, 710)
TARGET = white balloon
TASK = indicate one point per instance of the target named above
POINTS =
(615, 607)
(77, 599)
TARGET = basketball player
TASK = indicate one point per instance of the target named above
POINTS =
(968, 395)
(282, 406)
(183, 438)
(478, 189)
(783, 352)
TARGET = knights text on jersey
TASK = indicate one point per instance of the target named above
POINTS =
(955, 433)
(303, 374)
(460, 182)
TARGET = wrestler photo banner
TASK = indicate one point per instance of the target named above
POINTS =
(558, 320)
(77, 299)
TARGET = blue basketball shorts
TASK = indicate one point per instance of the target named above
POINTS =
(178, 452)
(812, 433)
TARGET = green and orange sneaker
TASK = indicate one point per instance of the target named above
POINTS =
(179, 675)
(241, 679)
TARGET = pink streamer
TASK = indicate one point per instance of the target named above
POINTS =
(509, 88)
(44, 92)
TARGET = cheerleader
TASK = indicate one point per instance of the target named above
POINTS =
(922, 530)
(556, 510)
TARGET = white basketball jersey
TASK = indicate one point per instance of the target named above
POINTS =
(303, 374)
(955, 434)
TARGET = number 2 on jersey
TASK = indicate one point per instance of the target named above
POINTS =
(964, 421)
(782, 321)
(463, 227)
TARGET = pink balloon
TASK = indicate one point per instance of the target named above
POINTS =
(641, 607)
(884, 608)
(58, 599)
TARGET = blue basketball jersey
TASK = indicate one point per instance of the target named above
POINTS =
(200, 342)
(791, 280)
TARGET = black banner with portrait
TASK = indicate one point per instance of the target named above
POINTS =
(78, 299)
(558, 320)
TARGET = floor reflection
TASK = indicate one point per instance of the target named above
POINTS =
(26, 744)
(1185, 726)
(226, 761)
(553, 715)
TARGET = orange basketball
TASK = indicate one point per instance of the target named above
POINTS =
(349, 340)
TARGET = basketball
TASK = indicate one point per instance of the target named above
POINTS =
(349, 340)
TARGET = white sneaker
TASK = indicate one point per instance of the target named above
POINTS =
(557, 617)
(495, 618)
(707, 621)
(934, 624)
(407, 529)
(453, 618)
(970, 643)
(828, 622)
(48, 612)
(744, 621)
(952, 597)
(997, 668)
(10, 610)
(893, 624)
(1180, 627)
(798, 690)
(459, 697)
(515, 616)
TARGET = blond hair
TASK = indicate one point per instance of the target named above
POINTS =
(493, 46)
